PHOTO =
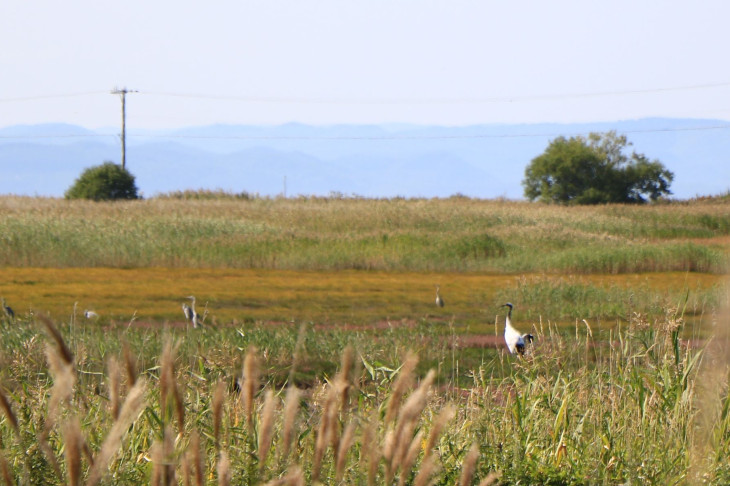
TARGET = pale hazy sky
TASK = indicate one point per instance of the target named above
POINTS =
(444, 62)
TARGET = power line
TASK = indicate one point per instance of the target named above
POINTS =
(437, 101)
(390, 101)
(50, 96)
(69, 135)
(427, 137)
(377, 137)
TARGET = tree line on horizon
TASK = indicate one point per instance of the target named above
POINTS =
(596, 169)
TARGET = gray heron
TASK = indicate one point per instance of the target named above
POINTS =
(512, 337)
(189, 311)
(439, 300)
(8, 310)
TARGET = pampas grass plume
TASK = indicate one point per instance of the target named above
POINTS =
(266, 430)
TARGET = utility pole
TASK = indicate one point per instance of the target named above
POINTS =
(123, 92)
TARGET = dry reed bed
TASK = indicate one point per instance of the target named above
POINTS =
(635, 411)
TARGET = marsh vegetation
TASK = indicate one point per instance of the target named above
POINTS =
(324, 358)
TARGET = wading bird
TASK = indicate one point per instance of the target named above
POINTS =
(8, 310)
(439, 300)
(515, 341)
(90, 314)
(189, 311)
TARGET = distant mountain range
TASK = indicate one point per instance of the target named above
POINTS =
(485, 161)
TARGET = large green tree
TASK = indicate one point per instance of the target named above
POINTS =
(104, 182)
(594, 170)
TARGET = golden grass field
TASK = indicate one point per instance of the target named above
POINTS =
(324, 297)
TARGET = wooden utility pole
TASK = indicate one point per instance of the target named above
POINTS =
(123, 92)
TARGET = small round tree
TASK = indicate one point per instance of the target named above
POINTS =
(104, 182)
(595, 170)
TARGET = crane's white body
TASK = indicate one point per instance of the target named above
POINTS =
(90, 314)
(439, 300)
(512, 337)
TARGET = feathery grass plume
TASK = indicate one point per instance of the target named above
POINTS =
(163, 465)
(250, 384)
(266, 427)
(291, 407)
(408, 418)
(224, 469)
(63, 350)
(426, 471)
(444, 417)
(388, 453)
(115, 387)
(186, 468)
(370, 450)
(169, 391)
(348, 359)
(219, 396)
(295, 477)
(195, 461)
(491, 478)
(348, 438)
(87, 453)
(60, 363)
(469, 465)
(167, 380)
(7, 473)
(131, 408)
(327, 431)
(64, 380)
(409, 458)
(130, 364)
(402, 384)
(8, 411)
(73, 444)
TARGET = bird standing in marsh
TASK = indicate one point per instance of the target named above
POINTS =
(189, 310)
(439, 300)
(8, 311)
(512, 337)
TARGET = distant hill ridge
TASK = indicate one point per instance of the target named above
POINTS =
(485, 161)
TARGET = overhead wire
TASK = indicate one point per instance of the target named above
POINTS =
(51, 96)
(314, 100)
(367, 137)
(355, 100)
(431, 100)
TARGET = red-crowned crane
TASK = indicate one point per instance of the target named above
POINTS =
(512, 337)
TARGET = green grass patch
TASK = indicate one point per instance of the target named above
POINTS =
(452, 235)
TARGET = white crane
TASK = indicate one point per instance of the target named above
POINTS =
(512, 337)
(439, 300)
(189, 311)
(90, 314)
